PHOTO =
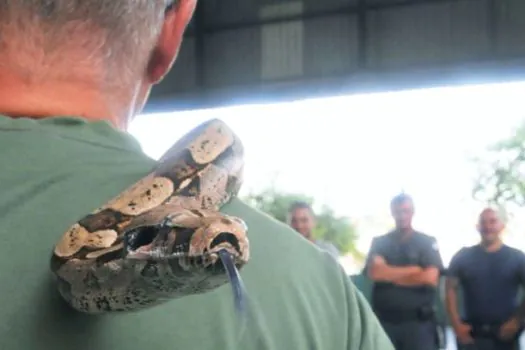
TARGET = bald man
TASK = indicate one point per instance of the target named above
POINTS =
(490, 274)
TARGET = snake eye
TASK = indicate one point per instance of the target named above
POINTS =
(226, 237)
(140, 237)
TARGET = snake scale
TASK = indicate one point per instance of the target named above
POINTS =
(163, 237)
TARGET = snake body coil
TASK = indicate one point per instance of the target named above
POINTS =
(160, 239)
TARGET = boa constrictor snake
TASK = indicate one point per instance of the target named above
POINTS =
(163, 237)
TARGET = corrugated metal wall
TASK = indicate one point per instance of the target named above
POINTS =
(241, 45)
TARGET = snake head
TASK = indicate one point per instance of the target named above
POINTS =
(189, 239)
(188, 251)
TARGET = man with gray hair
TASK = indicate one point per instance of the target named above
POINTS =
(301, 218)
(73, 75)
(489, 276)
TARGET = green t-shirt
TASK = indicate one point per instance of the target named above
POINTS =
(56, 170)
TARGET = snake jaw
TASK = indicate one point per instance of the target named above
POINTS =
(225, 234)
(190, 243)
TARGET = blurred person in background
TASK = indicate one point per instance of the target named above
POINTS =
(405, 266)
(73, 76)
(489, 275)
(301, 218)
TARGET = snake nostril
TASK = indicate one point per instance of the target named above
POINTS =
(226, 237)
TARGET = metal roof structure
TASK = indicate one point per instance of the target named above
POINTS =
(242, 51)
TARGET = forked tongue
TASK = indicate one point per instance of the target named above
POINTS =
(239, 291)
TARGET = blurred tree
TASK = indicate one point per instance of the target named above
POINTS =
(501, 179)
(331, 228)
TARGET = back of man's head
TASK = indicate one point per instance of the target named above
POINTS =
(41, 33)
(93, 58)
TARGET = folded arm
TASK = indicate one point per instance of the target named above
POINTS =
(431, 265)
(405, 275)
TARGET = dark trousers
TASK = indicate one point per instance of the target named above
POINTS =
(412, 335)
(490, 344)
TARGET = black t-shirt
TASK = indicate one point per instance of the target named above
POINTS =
(490, 282)
(417, 250)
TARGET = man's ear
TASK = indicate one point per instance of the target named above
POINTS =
(169, 41)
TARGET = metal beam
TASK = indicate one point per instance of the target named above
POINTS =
(493, 27)
(362, 7)
(361, 34)
(200, 75)
(360, 82)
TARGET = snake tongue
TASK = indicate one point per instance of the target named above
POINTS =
(239, 291)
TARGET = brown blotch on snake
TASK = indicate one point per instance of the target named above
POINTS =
(162, 238)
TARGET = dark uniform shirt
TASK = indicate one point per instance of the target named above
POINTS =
(418, 249)
(490, 282)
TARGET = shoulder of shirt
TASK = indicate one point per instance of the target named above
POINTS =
(514, 251)
(325, 244)
(464, 251)
(382, 237)
(425, 238)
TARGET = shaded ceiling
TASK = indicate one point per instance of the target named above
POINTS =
(242, 51)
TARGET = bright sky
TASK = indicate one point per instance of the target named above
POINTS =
(355, 152)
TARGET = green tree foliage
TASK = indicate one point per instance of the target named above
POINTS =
(501, 171)
(332, 228)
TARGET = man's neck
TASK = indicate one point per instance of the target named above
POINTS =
(492, 246)
(21, 98)
(404, 233)
(309, 237)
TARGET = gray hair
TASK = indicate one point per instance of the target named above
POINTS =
(119, 27)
